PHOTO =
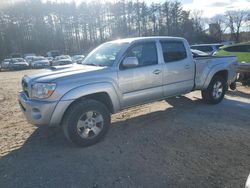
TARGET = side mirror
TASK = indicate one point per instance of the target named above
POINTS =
(130, 62)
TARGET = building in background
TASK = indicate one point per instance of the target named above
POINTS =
(215, 31)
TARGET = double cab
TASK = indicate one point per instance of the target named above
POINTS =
(117, 75)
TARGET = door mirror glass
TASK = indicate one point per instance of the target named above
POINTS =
(130, 62)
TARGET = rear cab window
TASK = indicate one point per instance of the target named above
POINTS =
(173, 51)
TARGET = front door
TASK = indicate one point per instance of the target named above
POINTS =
(178, 68)
(142, 83)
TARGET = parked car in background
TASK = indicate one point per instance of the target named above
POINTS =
(29, 59)
(62, 60)
(40, 62)
(241, 51)
(53, 53)
(5, 64)
(50, 60)
(16, 55)
(207, 48)
(78, 58)
(17, 64)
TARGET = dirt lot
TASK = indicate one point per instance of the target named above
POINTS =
(182, 143)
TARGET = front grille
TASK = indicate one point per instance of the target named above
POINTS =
(25, 87)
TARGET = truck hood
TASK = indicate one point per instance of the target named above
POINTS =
(58, 72)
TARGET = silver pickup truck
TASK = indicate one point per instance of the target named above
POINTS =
(117, 75)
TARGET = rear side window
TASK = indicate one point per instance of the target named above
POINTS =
(173, 51)
(241, 48)
(203, 48)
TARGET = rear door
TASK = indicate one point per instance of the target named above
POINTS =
(178, 68)
(142, 83)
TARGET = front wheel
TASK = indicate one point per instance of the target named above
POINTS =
(86, 122)
(215, 91)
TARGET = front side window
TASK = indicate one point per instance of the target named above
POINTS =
(146, 53)
(173, 51)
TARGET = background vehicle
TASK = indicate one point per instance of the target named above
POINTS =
(53, 53)
(118, 75)
(5, 64)
(18, 63)
(29, 59)
(78, 58)
(50, 60)
(62, 60)
(40, 62)
(242, 52)
(207, 48)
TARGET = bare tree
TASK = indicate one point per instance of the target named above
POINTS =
(235, 21)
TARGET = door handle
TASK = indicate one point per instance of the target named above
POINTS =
(187, 66)
(157, 71)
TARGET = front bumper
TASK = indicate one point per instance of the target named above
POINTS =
(36, 112)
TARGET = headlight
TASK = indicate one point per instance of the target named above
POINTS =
(42, 90)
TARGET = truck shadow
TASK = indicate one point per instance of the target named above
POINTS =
(48, 160)
(238, 93)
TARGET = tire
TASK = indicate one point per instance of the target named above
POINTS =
(86, 122)
(233, 86)
(214, 94)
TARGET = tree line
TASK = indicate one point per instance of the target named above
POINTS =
(33, 26)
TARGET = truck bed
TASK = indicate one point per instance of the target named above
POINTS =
(204, 65)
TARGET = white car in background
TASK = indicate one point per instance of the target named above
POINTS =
(18, 64)
(50, 60)
(29, 59)
(62, 60)
(39, 62)
(5, 64)
(78, 58)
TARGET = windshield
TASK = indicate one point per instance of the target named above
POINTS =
(105, 54)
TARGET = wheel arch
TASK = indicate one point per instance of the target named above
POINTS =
(101, 92)
(222, 72)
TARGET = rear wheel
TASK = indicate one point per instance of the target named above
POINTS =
(215, 91)
(86, 122)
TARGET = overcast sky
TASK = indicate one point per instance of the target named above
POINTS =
(209, 7)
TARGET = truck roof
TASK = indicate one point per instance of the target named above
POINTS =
(130, 40)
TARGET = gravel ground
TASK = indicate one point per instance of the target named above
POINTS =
(179, 143)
